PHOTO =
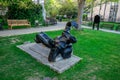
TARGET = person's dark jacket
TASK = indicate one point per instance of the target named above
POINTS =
(97, 19)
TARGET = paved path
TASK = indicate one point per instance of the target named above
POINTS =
(59, 26)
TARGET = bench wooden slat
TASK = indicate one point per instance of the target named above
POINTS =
(12, 23)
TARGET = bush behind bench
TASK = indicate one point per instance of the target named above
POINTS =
(32, 12)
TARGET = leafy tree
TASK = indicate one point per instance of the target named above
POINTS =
(8, 2)
(61, 7)
(52, 7)
(68, 8)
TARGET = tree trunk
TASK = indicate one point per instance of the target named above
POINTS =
(80, 12)
(92, 5)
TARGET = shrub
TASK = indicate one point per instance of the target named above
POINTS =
(31, 12)
(107, 25)
(117, 27)
(84, 17)
(1, 20)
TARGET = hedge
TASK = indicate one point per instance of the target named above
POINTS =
(118, 27)
(32, 12)
(109, 25)
(106, 25)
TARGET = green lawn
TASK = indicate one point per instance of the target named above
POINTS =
(100, 52)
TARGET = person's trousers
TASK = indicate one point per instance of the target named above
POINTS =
(97, 25)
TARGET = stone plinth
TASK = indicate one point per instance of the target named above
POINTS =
(40, 53)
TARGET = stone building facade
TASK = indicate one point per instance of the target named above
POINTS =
(112, 12)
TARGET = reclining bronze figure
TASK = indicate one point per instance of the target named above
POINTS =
(59, 45)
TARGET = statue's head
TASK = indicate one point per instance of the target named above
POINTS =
(68, 24)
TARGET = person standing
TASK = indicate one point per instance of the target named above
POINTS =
(96, 22)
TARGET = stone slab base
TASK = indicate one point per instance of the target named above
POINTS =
(40, 53)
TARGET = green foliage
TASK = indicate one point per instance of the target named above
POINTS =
(8, 2)
(1, 20)
(110, 25)
(52, 7)
(68, 8)
(61, 7)
(31, 12)
(99, 50)
(22, 9)
(117, 27)
(107, 26)
(84, 17)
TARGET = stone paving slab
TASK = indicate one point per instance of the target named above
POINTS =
(40, 53)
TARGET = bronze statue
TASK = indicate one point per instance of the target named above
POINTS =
(59, 45)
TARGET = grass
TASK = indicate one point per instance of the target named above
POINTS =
(100, 52)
